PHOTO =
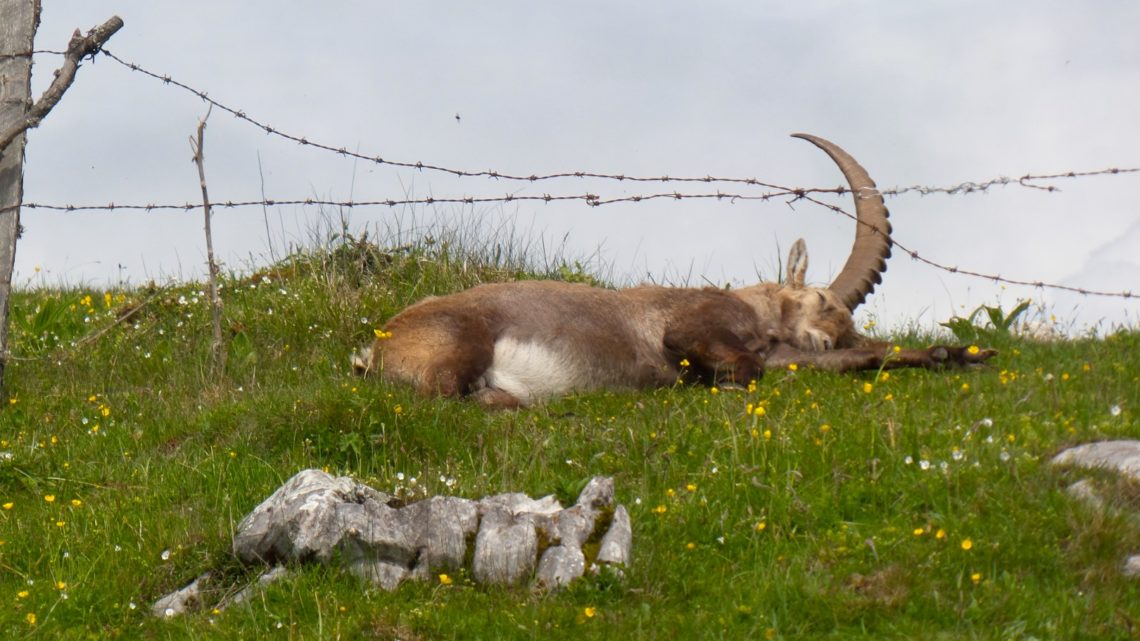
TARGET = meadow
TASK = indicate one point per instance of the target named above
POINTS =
(902, 504)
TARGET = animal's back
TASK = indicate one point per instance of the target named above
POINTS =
(531, 339)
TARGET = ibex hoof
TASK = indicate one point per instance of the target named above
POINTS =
(966, 356)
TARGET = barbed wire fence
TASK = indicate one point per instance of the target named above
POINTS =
(772, 190)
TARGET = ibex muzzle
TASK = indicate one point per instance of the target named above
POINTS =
(512, 344)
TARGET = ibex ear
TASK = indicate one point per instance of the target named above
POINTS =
(797, 265)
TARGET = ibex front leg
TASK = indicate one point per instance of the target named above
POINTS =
(714, 356)
(878, 356)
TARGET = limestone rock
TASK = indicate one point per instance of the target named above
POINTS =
(1119, 456)
(179, 601)
(560, 565)
(318, 517)
(1131, 567)
(1122, 456)
(505, 548)
(300, 521)
(618, 541)
(385, 545)
(275, 573)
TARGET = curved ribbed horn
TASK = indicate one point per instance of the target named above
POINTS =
(868, 259)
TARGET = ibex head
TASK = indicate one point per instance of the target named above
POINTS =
(819, 318)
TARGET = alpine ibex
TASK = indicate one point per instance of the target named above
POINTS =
(511, 344)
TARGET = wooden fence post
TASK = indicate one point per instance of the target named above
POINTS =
(17, 35)
(20, 18)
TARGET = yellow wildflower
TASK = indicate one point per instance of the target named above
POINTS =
(867, 388)
(976, 577)
(793, 367)
(967, 544)
(589, 612)
(381, 334)
(444, 580)
(761, 526)
(50, 498)
(973, 350)
(684, 362)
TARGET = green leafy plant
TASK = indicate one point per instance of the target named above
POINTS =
(997, 322)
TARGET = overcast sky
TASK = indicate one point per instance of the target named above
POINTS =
(924, 93)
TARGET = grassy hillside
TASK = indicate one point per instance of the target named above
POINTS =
(914, 505)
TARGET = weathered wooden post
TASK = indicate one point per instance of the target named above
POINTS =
(18, 22)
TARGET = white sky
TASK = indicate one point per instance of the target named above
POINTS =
(925, 93)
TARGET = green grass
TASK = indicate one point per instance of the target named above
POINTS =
(843, 510)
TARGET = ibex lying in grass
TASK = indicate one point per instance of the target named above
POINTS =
(511, 344)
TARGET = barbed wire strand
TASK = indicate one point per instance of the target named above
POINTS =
(592, 200)
(1024, 181)
(29, 54)
(968, 187)
(953, 269)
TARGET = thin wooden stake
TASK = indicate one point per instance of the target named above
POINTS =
(217, 348)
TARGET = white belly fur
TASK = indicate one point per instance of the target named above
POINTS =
(533, 371)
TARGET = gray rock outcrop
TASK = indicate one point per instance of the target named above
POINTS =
(1122, 457)
(508, 538)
